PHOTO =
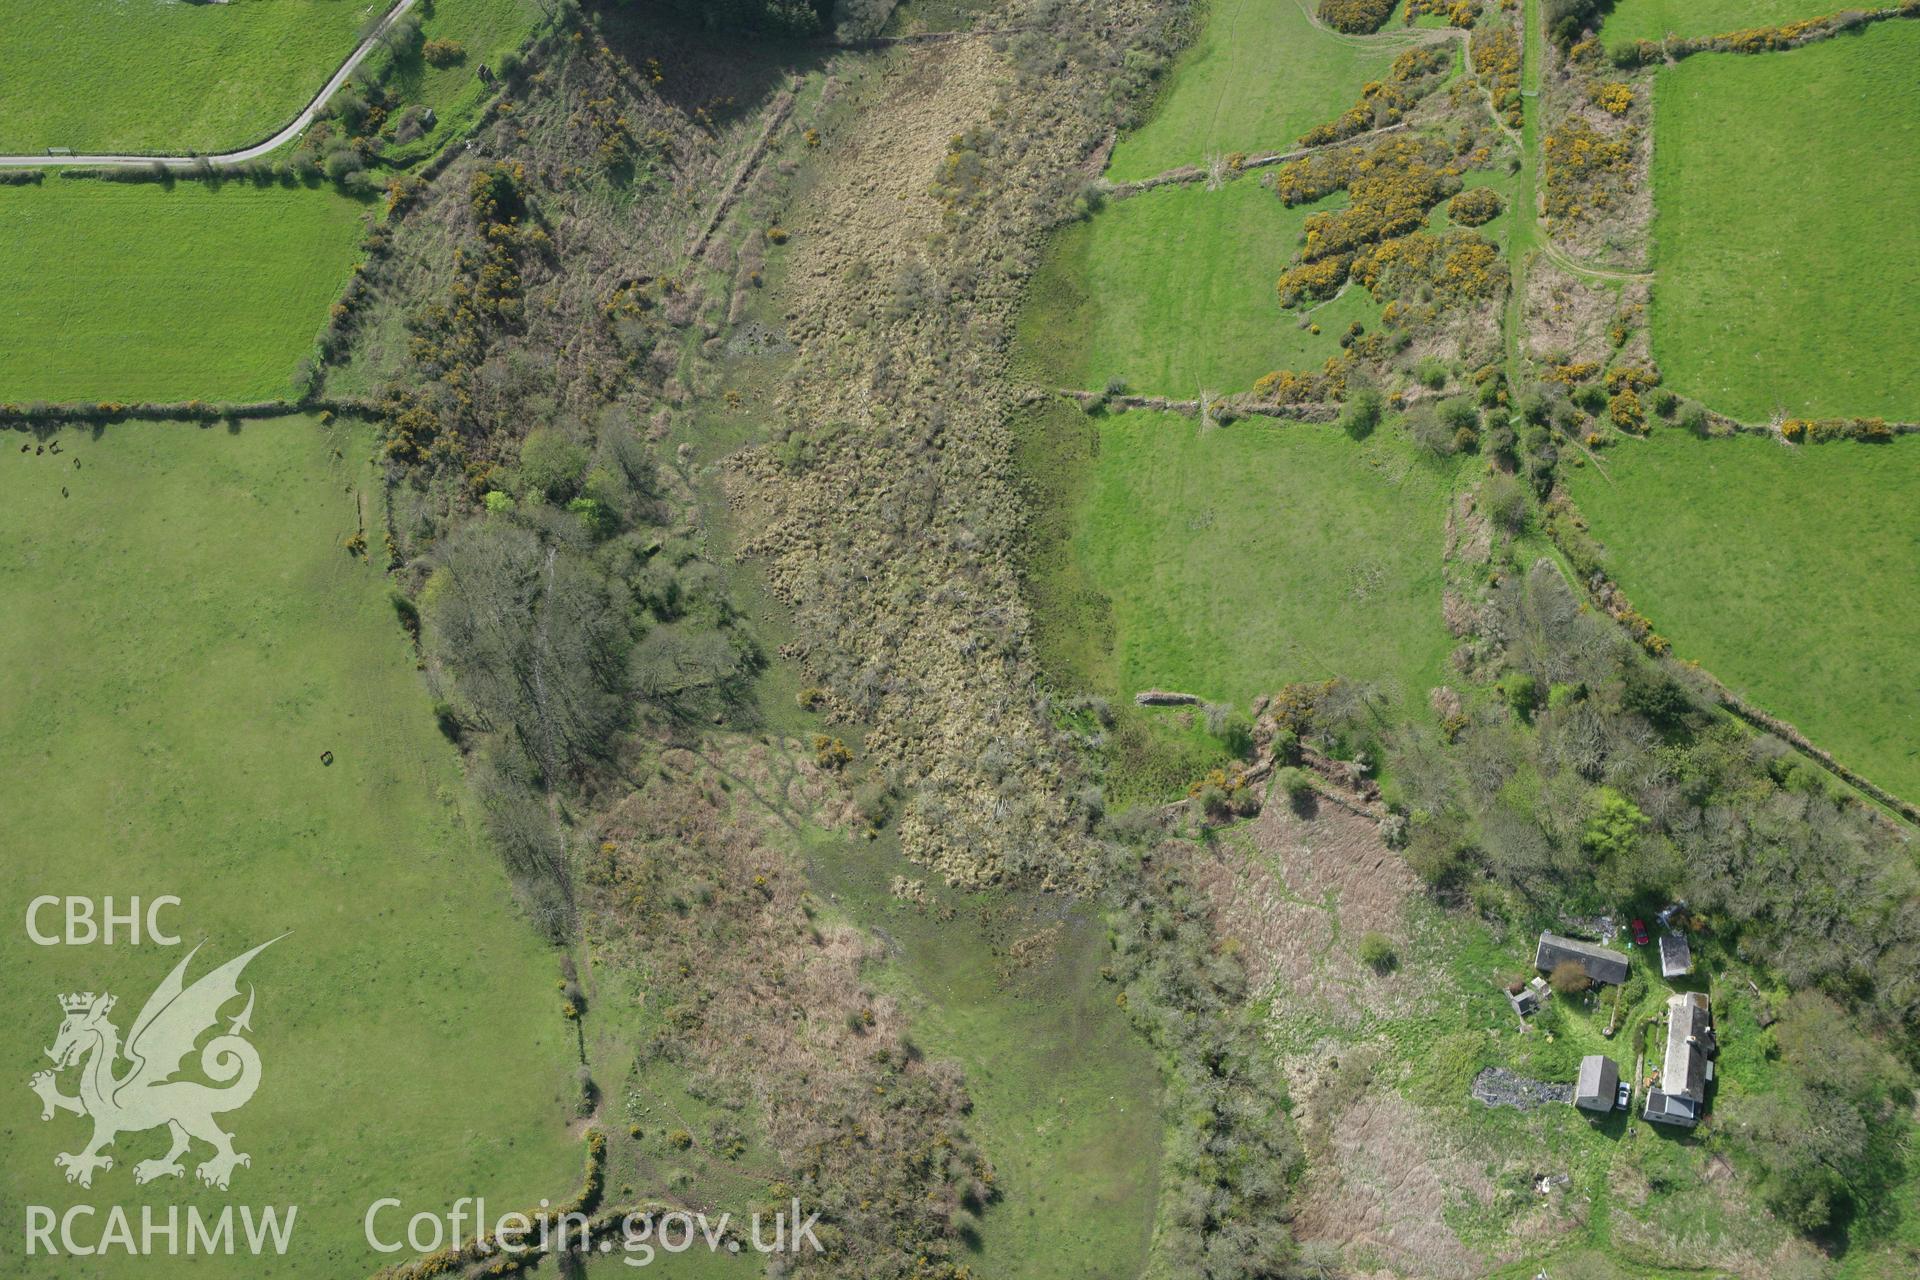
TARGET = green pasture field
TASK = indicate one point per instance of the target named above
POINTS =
(144, 292)
(164, 78)
(1172, 292)
(155, 77)
(1260, 75)
(1785, 242)
(1227, 562)
(1788, 573)
(181, 637)
(1066, 1097)
(1657, 19)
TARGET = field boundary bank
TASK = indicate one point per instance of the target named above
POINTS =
(1783, 38)
(587, 1201)
(1237, 403)
(1610, 600)
(777, 115)
(1776, 429)
(1315, 411)
(272, 142)
(869, 43)
(26, 417)
(1190, 173)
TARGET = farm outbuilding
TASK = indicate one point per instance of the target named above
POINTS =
(1599, 963)
(1598, 1088)
(1529, 998)
(1676, 957)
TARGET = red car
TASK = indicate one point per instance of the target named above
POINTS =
(1640, 932)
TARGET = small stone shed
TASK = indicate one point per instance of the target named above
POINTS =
(1598, 1087)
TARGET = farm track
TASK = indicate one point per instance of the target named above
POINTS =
(286, 134)
(1559, 258)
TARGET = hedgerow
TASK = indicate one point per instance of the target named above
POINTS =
(1823, 430)
(1792, 35)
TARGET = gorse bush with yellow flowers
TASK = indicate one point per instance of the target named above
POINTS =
(1495, 51)
(1457, 13)
(1586, 169)
(1356, 17)
(1476, 207)
(1392, 187)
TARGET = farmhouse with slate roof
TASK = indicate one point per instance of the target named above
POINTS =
(1680, 1097)
(1599, 963)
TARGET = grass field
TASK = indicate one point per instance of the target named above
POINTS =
(1173, 291)
(1228, 563)
(1258, 77)
(149, 76)
(1786, 246)
(1065, 1096)
(1656, 19)
(1790, 574)
(180, 639)
(141, 292)
(158, 77)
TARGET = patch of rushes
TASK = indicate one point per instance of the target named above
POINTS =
(1786, 250)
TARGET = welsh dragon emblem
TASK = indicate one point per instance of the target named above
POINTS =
(145, 1095)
